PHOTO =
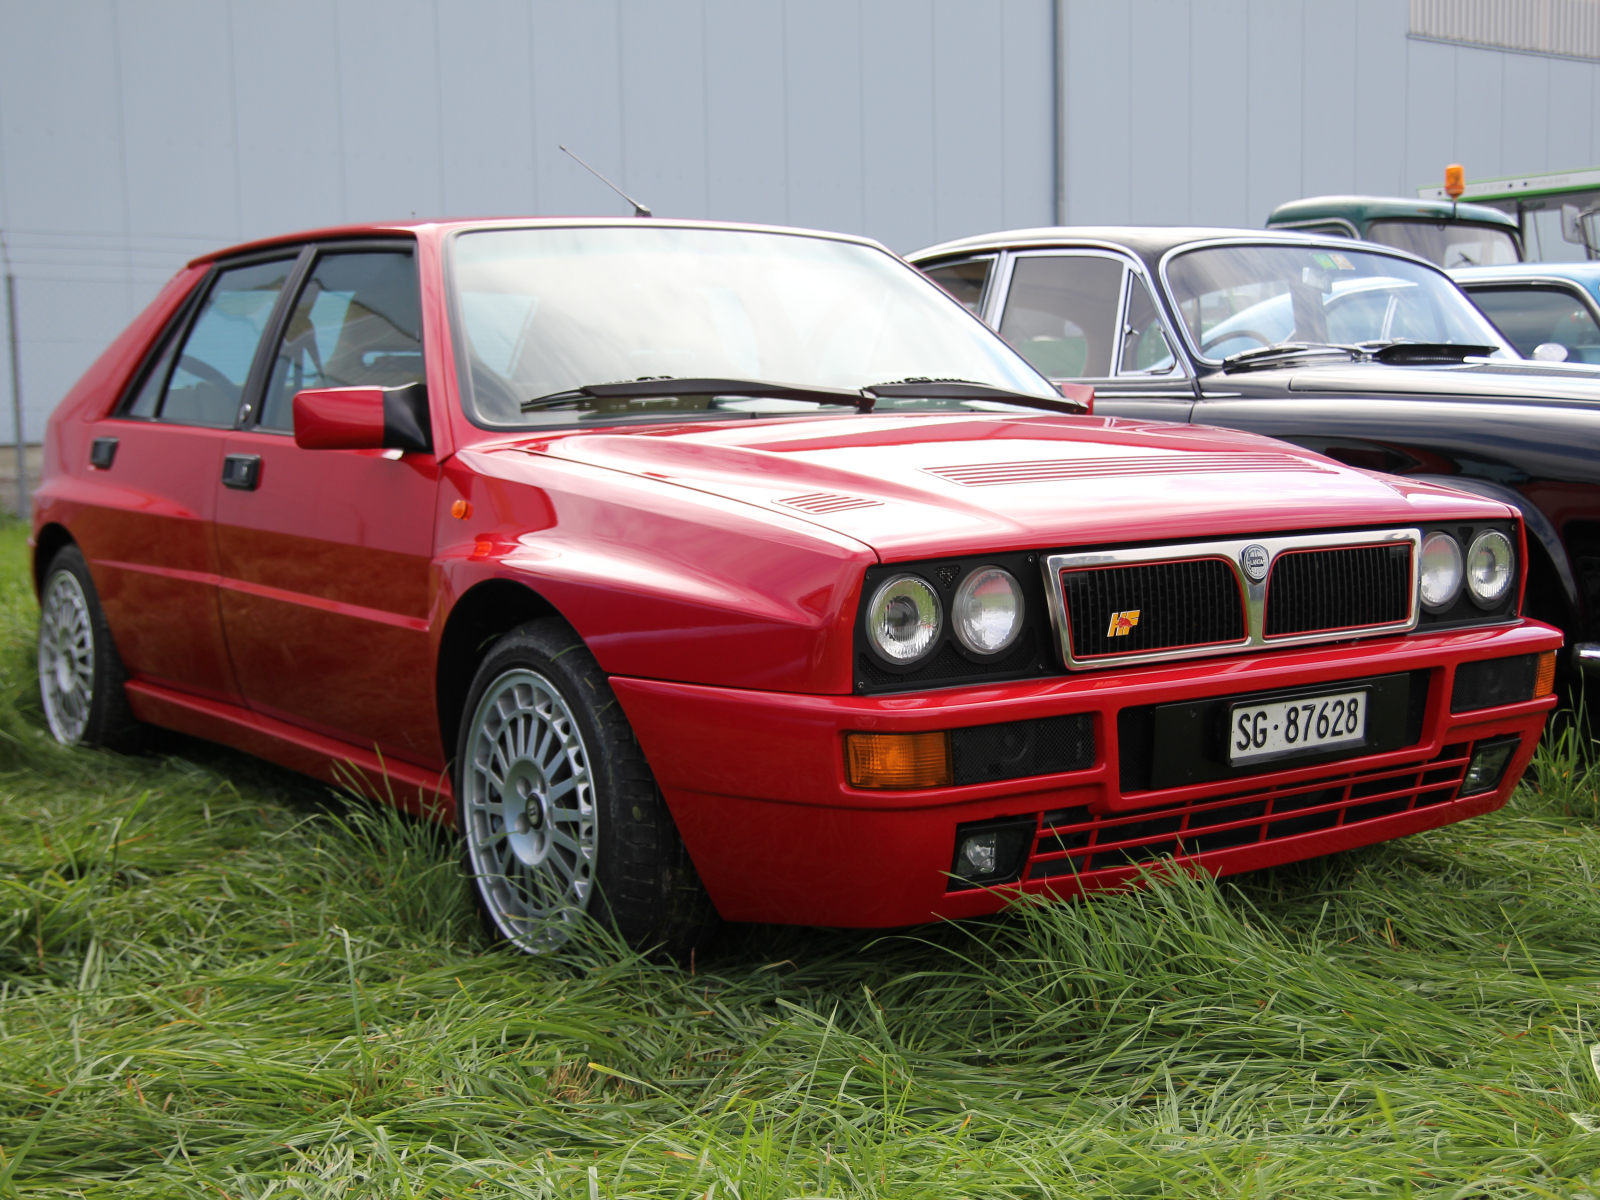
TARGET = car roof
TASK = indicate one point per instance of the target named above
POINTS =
(1148, 241)
(1371, 208)
(448, 226)
(1584, 274)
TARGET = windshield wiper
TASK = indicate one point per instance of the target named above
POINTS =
(1286, 351)
(661, 386)
(965, 389)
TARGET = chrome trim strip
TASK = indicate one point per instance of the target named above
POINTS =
(1255, 593)
(1586, 655)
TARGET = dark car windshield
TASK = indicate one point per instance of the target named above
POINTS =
(543, 311)
(1238, 298)
(1446, 243)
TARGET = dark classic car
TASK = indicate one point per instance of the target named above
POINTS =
(1368, 355)
(1548, 311)
(695, 570)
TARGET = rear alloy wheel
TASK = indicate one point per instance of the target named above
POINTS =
(80, 672)
(559, 815)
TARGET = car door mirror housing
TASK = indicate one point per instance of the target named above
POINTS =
(363, 418)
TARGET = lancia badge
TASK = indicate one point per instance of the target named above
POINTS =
(1253, 559)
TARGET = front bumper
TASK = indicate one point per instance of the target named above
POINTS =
(756, 782)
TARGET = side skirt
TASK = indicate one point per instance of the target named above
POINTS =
(405, 785)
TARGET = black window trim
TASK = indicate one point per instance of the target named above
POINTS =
(250, 405)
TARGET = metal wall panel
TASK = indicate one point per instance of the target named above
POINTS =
(1565, 27)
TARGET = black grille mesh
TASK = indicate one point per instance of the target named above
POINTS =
(1189, 603)
(1016, 749)
(1315, 590)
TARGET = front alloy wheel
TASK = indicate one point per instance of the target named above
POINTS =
(560, 818)
(528, 804)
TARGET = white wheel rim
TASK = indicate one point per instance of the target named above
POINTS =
(528, 809)
(66, 657)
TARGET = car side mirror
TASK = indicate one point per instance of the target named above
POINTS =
(363, 418)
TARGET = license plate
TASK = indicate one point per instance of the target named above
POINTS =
(1258, 731)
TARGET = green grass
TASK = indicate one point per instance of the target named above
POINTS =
(217, 980)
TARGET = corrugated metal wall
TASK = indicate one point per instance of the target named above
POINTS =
(135, 133)
(1566, 27)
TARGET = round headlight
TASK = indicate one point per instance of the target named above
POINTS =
(1441, 571)
(988, 610)
(903, 619)
(1489, 568)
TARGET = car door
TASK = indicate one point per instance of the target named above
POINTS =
(150, 545)
(1088, 316)
(326, 554)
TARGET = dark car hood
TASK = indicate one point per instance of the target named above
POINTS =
(944, 485)
(1531, 382)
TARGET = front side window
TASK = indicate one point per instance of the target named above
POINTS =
(964, 280)
(200, 380)
(1233, 299)
(356, 323)
(1445, 243)
(1533, 316)
(1061, 313)
(543, 312)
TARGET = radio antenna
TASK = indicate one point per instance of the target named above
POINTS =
(639, 210)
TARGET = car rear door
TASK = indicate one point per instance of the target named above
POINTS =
(149, 540)
(325, 554)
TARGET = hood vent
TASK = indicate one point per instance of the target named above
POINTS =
(991, 474)
(828, 502)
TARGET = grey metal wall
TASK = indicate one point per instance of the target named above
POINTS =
(136, 133)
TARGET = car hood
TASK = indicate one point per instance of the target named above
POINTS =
(1529, 382)
(914, 487)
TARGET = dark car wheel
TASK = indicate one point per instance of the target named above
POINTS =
(559, 814)
(80, 672)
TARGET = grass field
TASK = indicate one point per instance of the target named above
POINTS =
(217, 980)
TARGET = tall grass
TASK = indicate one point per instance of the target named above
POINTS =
(218, 980)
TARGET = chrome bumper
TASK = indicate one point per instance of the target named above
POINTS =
(1586, 655)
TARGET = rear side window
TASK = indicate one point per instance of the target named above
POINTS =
(357, 323)
(199, 378)
(1061, 313)
(964, 280)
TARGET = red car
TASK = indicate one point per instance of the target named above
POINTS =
(831, 611)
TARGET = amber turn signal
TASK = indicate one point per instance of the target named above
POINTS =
(1544, 682)
(898, 760)
(461, 510)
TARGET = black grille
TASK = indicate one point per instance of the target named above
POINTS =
(1018, 748)
(1195, 602)
(1316, 590)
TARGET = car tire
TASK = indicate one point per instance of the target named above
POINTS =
(559, 814)
(81, 675)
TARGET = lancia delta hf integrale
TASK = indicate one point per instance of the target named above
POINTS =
(695, 571)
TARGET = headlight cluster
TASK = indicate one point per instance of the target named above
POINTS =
(905, 617)
(1487, 570)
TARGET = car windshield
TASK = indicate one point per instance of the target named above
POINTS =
(1446, 243)
(1238, 298)
(541, 312)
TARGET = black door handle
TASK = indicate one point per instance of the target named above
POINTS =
(242, 471)
(102, 453)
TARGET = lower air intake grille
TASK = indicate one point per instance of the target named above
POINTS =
(1314, 591)
(1156, 606)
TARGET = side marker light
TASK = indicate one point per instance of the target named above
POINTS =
(461, 510)
(898, 760)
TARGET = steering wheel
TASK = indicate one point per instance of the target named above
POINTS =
(205, 371)
(1235, 333)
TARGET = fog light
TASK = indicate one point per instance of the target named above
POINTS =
(990, 852)
(1488, 765)
(1544, 682)
(898, 760)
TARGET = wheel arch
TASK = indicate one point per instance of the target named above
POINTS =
(477, 620)
(47, 543)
